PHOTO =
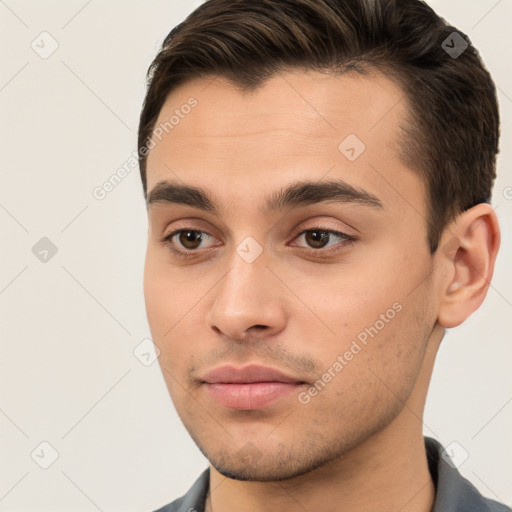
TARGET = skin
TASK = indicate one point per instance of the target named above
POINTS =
(358, 444)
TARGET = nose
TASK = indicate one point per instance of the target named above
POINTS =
(247, 302)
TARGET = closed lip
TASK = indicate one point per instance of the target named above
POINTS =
(246, 375)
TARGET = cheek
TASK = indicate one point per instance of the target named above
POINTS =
(164, 308)
(378, 334)
(164, 300)
(364, 385)
(346, 305)
(368, 294)
(154, 295)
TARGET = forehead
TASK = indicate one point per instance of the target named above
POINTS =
(296, 125)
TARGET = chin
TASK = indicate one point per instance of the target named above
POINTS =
(250, 464)
(258, 474)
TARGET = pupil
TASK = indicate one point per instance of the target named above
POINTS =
(188, 237)
(319, 238)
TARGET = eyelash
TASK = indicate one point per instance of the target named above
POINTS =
(348, 239)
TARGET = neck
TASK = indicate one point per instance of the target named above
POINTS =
(387, 472)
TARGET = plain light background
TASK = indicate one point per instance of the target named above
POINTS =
(70, 325)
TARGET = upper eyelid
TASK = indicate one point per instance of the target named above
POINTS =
(175, 232)
(334, 232)
(317, 224)
(318, 219)
(296, 234)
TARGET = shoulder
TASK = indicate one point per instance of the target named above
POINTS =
(455, 493)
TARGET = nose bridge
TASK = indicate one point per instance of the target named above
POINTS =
(244, 284)
(245, 296)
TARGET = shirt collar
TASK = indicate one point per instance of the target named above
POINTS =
(454, 493)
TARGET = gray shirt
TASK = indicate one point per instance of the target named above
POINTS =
(454, 493)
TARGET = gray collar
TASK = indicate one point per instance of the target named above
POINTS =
(454, 493)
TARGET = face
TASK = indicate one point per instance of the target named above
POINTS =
(287, 270)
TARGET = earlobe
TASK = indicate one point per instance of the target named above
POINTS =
(468, 253)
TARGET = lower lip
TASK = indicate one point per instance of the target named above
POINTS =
(255, 395)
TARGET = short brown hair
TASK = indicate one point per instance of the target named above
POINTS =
(452, 131)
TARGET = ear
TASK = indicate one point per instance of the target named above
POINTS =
(467, 254)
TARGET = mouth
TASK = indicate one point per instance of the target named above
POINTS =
(250, 387)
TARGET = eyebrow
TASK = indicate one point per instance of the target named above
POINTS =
(296, 195)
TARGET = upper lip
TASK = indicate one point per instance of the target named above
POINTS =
(246, 375)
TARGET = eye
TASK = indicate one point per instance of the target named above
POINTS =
(319, 238)
(185, 243)
(189, 239)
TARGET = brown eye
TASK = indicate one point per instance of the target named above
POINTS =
(320, 241)
(317, 238)
(190, 239)
(187, 242)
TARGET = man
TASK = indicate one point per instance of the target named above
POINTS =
(313, 231)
